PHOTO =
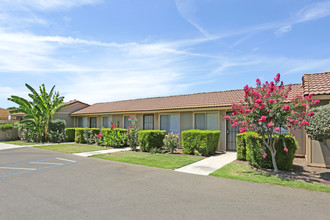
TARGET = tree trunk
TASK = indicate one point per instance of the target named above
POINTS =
(273, 154)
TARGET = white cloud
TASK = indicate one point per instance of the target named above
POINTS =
(187, 8)
(43, 5)
(313, 11)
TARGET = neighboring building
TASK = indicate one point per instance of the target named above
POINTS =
(318, 84)
(4, 114)
(73, 105)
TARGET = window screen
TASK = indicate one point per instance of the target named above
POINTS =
(148, 122)
(206, 121)
(93, 122)
(106, 121)
(170, 123)
(82, 122)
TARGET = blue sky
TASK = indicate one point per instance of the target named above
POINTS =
(98, 51)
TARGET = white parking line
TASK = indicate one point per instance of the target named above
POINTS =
(44, 163)
(66, 160)
(16, 168)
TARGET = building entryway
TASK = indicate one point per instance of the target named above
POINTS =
(231, 137)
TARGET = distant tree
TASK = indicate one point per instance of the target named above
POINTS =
(39, 111)
(9, 108)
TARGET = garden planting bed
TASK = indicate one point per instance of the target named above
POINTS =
(300, 172)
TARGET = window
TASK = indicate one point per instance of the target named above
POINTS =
(126, 121)
(206, 121)
(92, 122)
(107, 121)
(82, 122)
(170, 123)
(148, 122)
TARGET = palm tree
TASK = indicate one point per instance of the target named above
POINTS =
(40, 111)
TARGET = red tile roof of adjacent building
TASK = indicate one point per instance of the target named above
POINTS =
(316, 83)
(190, 101)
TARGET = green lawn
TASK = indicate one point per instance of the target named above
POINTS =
(166, 161)
(21, 142)
(241, 172)
(71, 148)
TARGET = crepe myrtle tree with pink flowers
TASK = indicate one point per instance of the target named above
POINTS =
(267, 110)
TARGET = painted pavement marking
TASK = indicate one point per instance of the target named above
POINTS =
(39, 162)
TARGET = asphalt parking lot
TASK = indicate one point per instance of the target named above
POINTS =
(41, 184)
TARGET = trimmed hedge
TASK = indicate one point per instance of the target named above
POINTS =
(79, 134)
(70, 134)
(6, 127)
(151, 139)
(121, 130)
(202, 142)
(253, 145)
(241, 147)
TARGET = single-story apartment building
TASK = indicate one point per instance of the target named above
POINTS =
(203, 111)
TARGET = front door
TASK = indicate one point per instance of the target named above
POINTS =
(231, 136)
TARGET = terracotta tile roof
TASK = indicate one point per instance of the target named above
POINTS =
(316, 83)
(199, 100)
(20, 114)
(74, 101)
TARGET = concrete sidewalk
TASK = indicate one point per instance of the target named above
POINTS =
(4, 146)
(209, 165)
(91, 153)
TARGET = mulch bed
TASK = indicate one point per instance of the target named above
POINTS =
(300, 172)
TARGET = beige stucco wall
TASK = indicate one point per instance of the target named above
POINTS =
(65, 113)
(186, 121)
(320, 153)
(139, 117)
(4, 137)
(119, 118)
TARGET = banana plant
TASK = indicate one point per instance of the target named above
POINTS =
(40, 110)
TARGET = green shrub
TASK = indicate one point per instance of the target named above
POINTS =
(56, 130)
(254, 150)
(6, 127)
(56, 137)
(112, 137)
(122, 131)
(171, 142)
(69, 134)
(79, 134)
(319, 123)
(150, 139)
(285, 159)
(90, 135)
(57, 125)
(200, 142)
(241, 147)
(132, 134)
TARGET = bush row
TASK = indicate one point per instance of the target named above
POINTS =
(200, 142)
(249, 147)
